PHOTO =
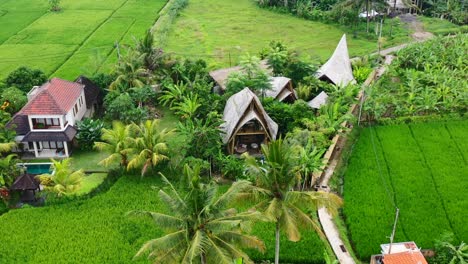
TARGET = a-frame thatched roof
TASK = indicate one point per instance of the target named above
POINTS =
(25, 182)
(241, 108)
(318, 100)
(338, 68)
(281, 88)
(220, 76)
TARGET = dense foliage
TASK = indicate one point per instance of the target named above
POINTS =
(426, 183)
(25, 78)
(89, 131)
(423, 79)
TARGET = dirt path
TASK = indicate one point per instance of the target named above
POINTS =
(419, 34)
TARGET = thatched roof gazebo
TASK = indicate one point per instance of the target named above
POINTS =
(28, 185)
(246, 124)
(318, 100)
(220, 76)
(281, 90)
(337, 70)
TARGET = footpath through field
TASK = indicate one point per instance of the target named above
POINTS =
(329, 227)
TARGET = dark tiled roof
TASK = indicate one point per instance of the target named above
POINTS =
(25, 182)
(20, 124)
(91, 90)
(66, 135)
(55, 97)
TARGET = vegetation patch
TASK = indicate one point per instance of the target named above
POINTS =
(417, 168)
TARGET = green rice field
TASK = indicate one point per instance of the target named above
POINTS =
(222, 31)
(79, 39)
(419, 168)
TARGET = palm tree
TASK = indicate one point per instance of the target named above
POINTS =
(331, 120)
(309, 160)
(200, 227)
(130, 72)
(63, 181)
(188, 107)
(117, 142)
(460, 253)
(150, 146)
(8, 170)
(173, 94)
(275, 179)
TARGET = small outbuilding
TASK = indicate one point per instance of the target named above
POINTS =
(337, 70)
(220, 76)
(281, 90)
(318, 100)
(27, 184)
(246, 124)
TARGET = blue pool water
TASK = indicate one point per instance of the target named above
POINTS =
(38, 168)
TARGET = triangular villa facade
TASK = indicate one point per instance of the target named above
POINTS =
(246, 124)
(337, 69)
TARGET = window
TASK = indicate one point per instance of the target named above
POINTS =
(55, 121)
(30, 145)
(59, 144)
(76, 108)
(45, 144)
(48, 121)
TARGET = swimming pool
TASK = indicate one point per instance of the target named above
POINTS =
(37, 168)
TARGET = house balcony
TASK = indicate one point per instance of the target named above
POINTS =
(45, 154)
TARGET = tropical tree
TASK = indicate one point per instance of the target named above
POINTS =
(150, 146)
(331, 118)
(116, 142)
(130, 72)
(89, 131)
(188, 107)
(153, 57)
(275, 179)
(251, 75)
(201, 226)
(8, 170)
(7, 136)
(25, 78)
(309, 160)
(173, 93)
(459, 253)
(64, 181)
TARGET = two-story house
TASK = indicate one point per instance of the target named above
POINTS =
(45, 126)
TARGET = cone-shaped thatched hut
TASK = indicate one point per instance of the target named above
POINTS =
(318, 100)
(246, 124)
(281, 90)
(337, 69)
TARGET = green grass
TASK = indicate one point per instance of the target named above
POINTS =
(90, 182)
(419, 167)
(221, 31)
(84, 34)
(88, 160)
(438, 26)
(97, 230)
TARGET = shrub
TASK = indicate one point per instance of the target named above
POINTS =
(14, 98)
(25, 78)
(89, 131)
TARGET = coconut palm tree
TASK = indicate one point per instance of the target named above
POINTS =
(64, 181)
(116, 142)
(173, 94)
(130, 72)
(201, 226)
(188, 107)
(275, 179)
(150, 146)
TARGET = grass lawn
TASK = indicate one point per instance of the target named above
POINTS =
(90, 182)
(221, 31)
(421, 168)
(97, 230)
(79, 39)
(88, 160)
(439, 26)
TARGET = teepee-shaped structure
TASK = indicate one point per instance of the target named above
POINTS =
(337, 69)
(246, 124)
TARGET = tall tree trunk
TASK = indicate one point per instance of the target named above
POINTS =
(203, 258)
(367, 16)
(277, 242)
(286, 3)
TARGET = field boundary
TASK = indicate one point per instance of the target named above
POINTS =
(455, 143)
(32, 22)
(87, 38)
